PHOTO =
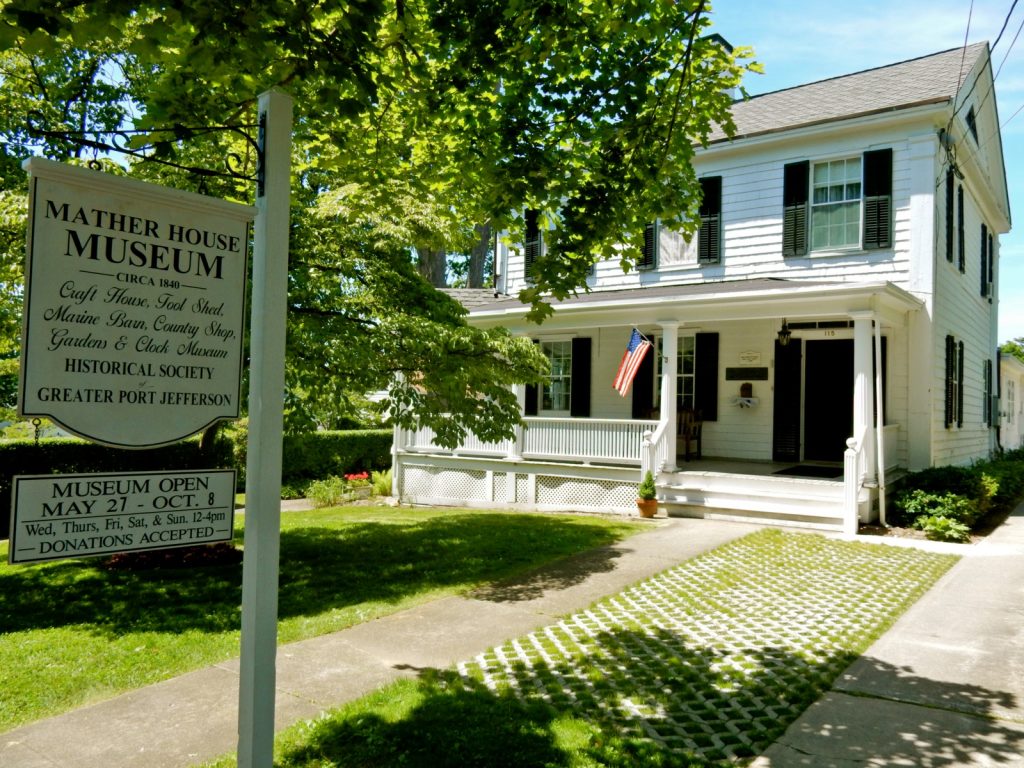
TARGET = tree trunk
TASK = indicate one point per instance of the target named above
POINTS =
(433, 265)
(478, 257)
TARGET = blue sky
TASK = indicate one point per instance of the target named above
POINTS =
(800, 42)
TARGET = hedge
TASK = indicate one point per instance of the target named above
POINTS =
(318, 455)
(63, 455)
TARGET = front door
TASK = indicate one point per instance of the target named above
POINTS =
(828, 399)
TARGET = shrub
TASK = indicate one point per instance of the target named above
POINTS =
(647, 489)
(381, 482)
(328, 493)
(939, 528)
(949, 505)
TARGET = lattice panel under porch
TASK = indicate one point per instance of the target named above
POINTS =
(577, 492)
(500, 487)
(439, 483)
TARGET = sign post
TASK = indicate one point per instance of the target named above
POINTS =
(266, 405)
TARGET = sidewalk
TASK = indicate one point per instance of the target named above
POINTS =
(194, 718)
(943, 687)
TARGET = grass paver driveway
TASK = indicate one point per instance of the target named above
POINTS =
(717, 656)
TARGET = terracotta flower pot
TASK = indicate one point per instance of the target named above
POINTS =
(647, 507)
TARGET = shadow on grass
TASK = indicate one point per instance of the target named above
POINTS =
(645, 699)
(322, 569)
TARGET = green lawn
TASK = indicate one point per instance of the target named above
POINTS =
(74, 632)
(703, 665)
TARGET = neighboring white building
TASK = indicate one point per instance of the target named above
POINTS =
(861, 215)
(1011, 402)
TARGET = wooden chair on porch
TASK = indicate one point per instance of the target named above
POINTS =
(689, 424)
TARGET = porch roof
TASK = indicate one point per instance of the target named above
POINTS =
(751, 299)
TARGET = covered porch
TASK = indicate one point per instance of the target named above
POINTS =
(797, 371)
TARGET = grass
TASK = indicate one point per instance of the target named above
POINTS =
(75, 632)
(703, 665)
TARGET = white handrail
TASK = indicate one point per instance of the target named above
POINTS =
(853, 481)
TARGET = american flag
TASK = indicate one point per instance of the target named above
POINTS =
(634, 355)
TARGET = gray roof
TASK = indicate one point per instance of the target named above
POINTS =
(471, 298)
(926, 80)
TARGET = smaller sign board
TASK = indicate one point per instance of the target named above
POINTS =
(59, 516)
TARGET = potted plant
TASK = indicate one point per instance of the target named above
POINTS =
(647, 503)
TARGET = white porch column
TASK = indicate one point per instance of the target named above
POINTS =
(670, 351)
(515, 450)
(863, 389)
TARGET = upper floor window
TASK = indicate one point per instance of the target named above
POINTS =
(664, 247)
(844, 203)
(835, 207)
(972, 124)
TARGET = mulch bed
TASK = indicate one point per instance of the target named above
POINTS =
(983, 529)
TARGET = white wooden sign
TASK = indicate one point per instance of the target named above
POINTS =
(134, 307)
(58, 516)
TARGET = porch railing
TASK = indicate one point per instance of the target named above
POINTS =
(608, 441)
(853, 481)
(655, 449)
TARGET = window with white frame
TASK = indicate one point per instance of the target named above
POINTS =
(835, 204)
(686, 370)
(1011, 398)
(557, 390)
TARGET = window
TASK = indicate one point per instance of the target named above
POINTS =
(696, 373)
(686, 369)
(835, 204)
(533, 241)
(954, 411)
(845, 203)
(556, 392)
(1011, 398)
(972, 124)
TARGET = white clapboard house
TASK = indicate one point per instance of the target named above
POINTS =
(831, 325)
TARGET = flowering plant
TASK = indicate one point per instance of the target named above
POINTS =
(358, 479)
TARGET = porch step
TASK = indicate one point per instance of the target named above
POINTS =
(786, 501)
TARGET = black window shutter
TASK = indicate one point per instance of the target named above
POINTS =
(961, 255)
(960, 385)
(991, 267)
(878, 199)
(984, 260)
(795, 182)
(579, 398)
(709, 238)
(532, 241)
(648, 259)
(950, 379)
(987, 405)
(705, 376)
(643, 387)
(532, 396)
(949, 215)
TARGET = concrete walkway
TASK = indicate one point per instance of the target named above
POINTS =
(194, 718)
(944, 687)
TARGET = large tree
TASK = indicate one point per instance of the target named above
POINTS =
(420, 124)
